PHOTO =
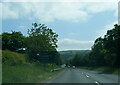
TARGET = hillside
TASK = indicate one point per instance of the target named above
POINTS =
(17, 69)
(65, 55)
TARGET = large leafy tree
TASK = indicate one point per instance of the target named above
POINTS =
(105, 51)
(12, 41)
(112, 45)
(41, 43)
(97, 54)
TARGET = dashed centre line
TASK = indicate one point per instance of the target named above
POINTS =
(97, 83)
(87, 76)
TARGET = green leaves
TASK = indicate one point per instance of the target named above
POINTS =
(43, 41)
(12, 41)
(105, 51)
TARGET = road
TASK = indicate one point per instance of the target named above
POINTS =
(83, 76)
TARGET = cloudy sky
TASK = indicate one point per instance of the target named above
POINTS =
(78, 23)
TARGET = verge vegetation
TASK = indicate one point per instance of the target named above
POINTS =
(32, 58)
(16, 69)
(104, 55)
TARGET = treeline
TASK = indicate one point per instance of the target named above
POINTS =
(105, 51)
(40, 44)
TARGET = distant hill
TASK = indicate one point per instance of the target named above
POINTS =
(65, 55)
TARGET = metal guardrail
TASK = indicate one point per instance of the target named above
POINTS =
(56, 69)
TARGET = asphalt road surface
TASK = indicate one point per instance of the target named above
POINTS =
(83, 76)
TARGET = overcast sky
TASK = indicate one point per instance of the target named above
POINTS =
(77, 23)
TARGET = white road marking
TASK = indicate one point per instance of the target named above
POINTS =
(87, 76)
(97, 83)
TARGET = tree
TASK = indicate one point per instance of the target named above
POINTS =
(41, 43)
(112, 45)
(97, 54)
(12, 41)
(105, 51)
(78, 60)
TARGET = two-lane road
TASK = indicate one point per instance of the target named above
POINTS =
(71, 75)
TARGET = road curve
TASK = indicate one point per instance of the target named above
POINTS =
(85, 77)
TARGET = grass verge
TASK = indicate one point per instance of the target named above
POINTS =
(17, 69)
(26, 74)
(109, 70)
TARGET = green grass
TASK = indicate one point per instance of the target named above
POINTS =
(26, 74)
(108, 70)
(117, 72)
(16, 69)
(0, 66)
(13, 58)
(104, 69)
(0, 73)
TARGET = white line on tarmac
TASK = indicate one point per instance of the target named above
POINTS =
(97, 83)
(87, 76)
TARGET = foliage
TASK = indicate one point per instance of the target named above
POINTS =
(105, 51)
(69, 54)
(41, 44)
(12, 41)
(16, 69)
(79, 60)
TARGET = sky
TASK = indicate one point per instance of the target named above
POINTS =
(78, 23)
